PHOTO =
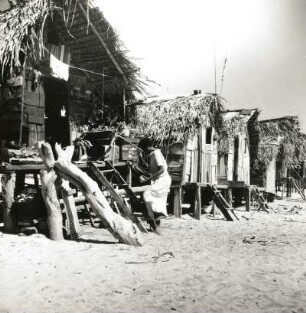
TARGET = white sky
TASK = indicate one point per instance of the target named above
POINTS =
(174, 42)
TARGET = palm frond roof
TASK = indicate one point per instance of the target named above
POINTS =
(92, 42)
(175, 118)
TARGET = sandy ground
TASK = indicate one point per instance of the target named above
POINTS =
(251, 265)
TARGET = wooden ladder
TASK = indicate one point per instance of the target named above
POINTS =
(300, 191)
(258, 196)
(126, 210)
(222, 204)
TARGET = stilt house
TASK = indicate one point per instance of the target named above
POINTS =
(186, 129)
(62, 66)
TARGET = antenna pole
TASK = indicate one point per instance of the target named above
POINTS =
(223, 74)
(215, 70)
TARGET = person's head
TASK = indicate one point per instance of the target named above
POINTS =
(145, 144)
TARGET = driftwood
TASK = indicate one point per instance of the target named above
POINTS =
(124, 230)
(54, 214)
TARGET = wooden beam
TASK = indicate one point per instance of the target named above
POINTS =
(103, 44)
(71, 211)
(102, 179)
(177, 202)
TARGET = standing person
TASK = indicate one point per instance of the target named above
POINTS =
(155, 197)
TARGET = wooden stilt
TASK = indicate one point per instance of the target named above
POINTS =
(177, 202)
(230, 196)
(197, 204)
(8, 190)
(247, 198)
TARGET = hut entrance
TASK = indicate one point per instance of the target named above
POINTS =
(57, 122)
(236, 158)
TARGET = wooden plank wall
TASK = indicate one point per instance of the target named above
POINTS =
(201, 167)
(209, 157)
(243, 166)
(34, 109)
(243, 159)
(176, 162)
(11, 112)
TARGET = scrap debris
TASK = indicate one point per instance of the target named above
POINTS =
(253, 239)
(163, 257)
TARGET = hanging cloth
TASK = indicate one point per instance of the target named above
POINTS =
(58, 68)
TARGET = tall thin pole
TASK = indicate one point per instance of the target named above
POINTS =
(103, 86)
(215, 70)
(223, 74)
(22, 105)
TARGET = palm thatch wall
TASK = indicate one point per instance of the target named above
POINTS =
(175, 120)
(281, 138)
(232, 124)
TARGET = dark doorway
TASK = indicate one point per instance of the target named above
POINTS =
(236, 157)
(57, 124)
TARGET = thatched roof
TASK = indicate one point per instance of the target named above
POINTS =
(281, 138)
(233, 123)
(175, 119)
(91, 40)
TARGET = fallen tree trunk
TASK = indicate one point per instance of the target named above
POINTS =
(124, 230)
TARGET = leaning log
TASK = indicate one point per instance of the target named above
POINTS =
(124, 230)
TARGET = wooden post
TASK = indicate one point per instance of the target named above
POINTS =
(177, 202)
(72, 215)
(200, 161)
(247, 198)
(8, 191)
(197, 203)
(129, 174)
(230, 196)
(288, 188)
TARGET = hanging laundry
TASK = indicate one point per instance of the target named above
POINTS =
(58, 68)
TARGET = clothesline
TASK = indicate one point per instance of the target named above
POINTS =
(92, 72)
(79, 68)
